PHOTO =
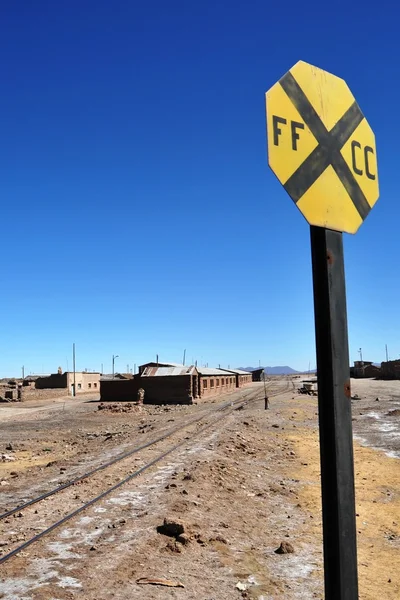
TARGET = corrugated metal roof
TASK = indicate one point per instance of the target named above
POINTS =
(239, 371)
(161, 363)
(168, 371)
(211, 371)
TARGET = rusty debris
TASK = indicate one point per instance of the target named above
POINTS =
(165, 582)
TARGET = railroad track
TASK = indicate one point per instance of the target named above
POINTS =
(216, 414)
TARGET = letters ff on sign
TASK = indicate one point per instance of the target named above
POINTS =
(321, 148)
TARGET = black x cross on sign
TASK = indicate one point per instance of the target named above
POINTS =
(328, 150)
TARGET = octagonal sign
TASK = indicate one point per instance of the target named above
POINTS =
(321, 148)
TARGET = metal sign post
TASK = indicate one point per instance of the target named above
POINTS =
(322, 149)
(334, 409)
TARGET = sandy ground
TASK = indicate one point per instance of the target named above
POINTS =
(239, 489)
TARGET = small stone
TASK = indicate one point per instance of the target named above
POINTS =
(93, 548)
(173, 546)
(284, 548)
(183, 539)
(275, 425)
(9, 447)
(219, 538)
(171, 528)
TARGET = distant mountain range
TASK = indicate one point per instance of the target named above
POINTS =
(274, 370)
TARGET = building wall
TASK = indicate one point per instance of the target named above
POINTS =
(214, 385)
(176, 389)
(257, 375)
(390, 370)
(52, 381)
(244, 379)
(118, 390)
(85, 382)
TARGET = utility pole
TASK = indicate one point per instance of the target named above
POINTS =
(360, 351)
(134, 369)
(23, 372)
(387, 356)
(113, 363)
(73, 361)
(102, 370)
(127, 368)
(184, 356)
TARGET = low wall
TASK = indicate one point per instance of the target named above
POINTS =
(158, 390)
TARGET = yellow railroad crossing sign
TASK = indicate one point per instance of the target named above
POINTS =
(321, 148)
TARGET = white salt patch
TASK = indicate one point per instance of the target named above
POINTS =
(136, 499)
(62, 551)
(85, 520)
(374, 415)
(71, 582)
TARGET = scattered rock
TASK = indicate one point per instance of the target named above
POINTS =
(275, 425)
(393, 413)
(7, 458)
(188, 477)
(9, 447)
(171, 528)
(284, 548)
(219, 538)
(174, 546)
(377, 399)
(183, 539)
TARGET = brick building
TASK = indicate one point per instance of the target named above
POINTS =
(390, 370)
(363, 369)
(213, 382)
(162, 384)
(171, 383)
(85, 382)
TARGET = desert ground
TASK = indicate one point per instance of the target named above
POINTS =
(237, 491)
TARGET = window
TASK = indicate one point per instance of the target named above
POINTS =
(217, 380)
(227, 380)
(211, 383)
(89, 385)
(231, 379)
(79, 386)
(204, 384)
(223, 381)
(95, 385)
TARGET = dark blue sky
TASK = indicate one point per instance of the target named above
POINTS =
(139, 213)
